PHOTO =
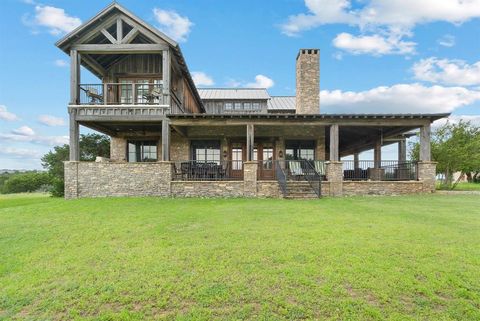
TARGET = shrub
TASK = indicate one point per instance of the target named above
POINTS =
(26, 182)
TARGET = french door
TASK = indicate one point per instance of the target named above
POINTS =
(264, 153)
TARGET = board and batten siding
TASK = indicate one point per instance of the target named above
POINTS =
(217, 106)
(138, 64)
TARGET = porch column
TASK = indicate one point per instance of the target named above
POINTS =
(402, 150)
(426, 168)
(74, 136)
(74, 77)
(166, 76)
(425, 154)
(165, 140)
(376, 173)
(334, 143)
(356, 160)
(250, 142)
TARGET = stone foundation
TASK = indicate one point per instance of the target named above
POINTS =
(94, 179)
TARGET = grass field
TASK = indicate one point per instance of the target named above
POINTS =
(372, 258)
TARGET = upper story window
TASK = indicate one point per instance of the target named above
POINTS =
(228, 106)
(239, 106)
(140, 90)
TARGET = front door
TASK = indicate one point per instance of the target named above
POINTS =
(237, 156)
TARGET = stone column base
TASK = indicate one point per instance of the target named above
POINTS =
(426, 175)
(250, 178)
(335, 178)
(71, 179)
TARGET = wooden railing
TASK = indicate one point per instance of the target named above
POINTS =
(122, 111)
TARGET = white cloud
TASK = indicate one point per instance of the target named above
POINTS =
(403, 14)
(51, 120)
(202, 79)
(6, 115)
(445, 71)
(400, 98)
(376, 45)
(61, 63)
(446, 41)
(261, 81)
(37, 139)
(473, 119)
(20, 152)
(24, 131)
(56, 20)
(393, 19)
(173, 24)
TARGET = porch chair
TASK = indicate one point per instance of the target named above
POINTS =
(320, 168)
(296, 169)
(92, 94)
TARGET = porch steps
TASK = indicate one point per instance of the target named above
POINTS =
(300, 190)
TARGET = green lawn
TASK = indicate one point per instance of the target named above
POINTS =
(372, 258)
(467, 187)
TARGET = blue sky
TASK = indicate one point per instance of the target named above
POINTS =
(398, 56)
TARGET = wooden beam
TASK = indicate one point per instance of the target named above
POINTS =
(93, 64)
(99, 128)
(74, 76)
(182, 131)
(143, 30)
(165, 140)
(425, 153)
(166, 71)
(130, 35)
(119, 48)
(119, 30)
(108, 36)
(74, 133)
(250, 142)
(356, 160)
(334, 143)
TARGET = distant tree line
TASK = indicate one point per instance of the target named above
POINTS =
(456, 149)
(52, 180)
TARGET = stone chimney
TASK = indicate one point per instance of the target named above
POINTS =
(308, 81)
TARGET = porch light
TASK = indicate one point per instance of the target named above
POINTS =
(280, 154)
(225, 154)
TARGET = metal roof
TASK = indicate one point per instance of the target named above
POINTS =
(233, 93)
(282, 103)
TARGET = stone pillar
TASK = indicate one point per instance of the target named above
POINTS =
(71, 179)
(74, 133)
(320, 148)
(377, 173)
(308, 82)
(165, 178)
(250, 178)
(335, 178)
(356, 160)
(426, 175)
(118, 149)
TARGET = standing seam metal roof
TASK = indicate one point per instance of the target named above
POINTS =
(233, 93)
(282, 103)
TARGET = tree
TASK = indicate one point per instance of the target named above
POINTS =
(455, 148)
(27, 182)
(91, 146)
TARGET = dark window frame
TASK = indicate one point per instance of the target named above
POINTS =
(298, 145)
(206, 144)
(140, 145)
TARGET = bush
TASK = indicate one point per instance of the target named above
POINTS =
(57, 189)
(27, 182)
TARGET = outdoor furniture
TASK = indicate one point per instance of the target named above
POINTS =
(296, 169)
(153, 95)
(92, 95)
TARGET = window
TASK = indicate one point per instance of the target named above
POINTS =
(256, 105)
(146, 90)
(300, 149)
(238, 106)
(142, 151)
(228, 106)
(247, 106)
(206, 151)
(237, 157)
(267, 157)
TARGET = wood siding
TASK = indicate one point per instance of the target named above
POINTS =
(138, 64)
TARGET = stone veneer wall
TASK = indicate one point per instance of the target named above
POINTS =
(118, 148)
(91, 179)
(381, 188)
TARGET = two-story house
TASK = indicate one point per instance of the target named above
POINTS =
(169, 138)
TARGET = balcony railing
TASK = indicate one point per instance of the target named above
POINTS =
(386, 170)
(122, 94)
(194, 170)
